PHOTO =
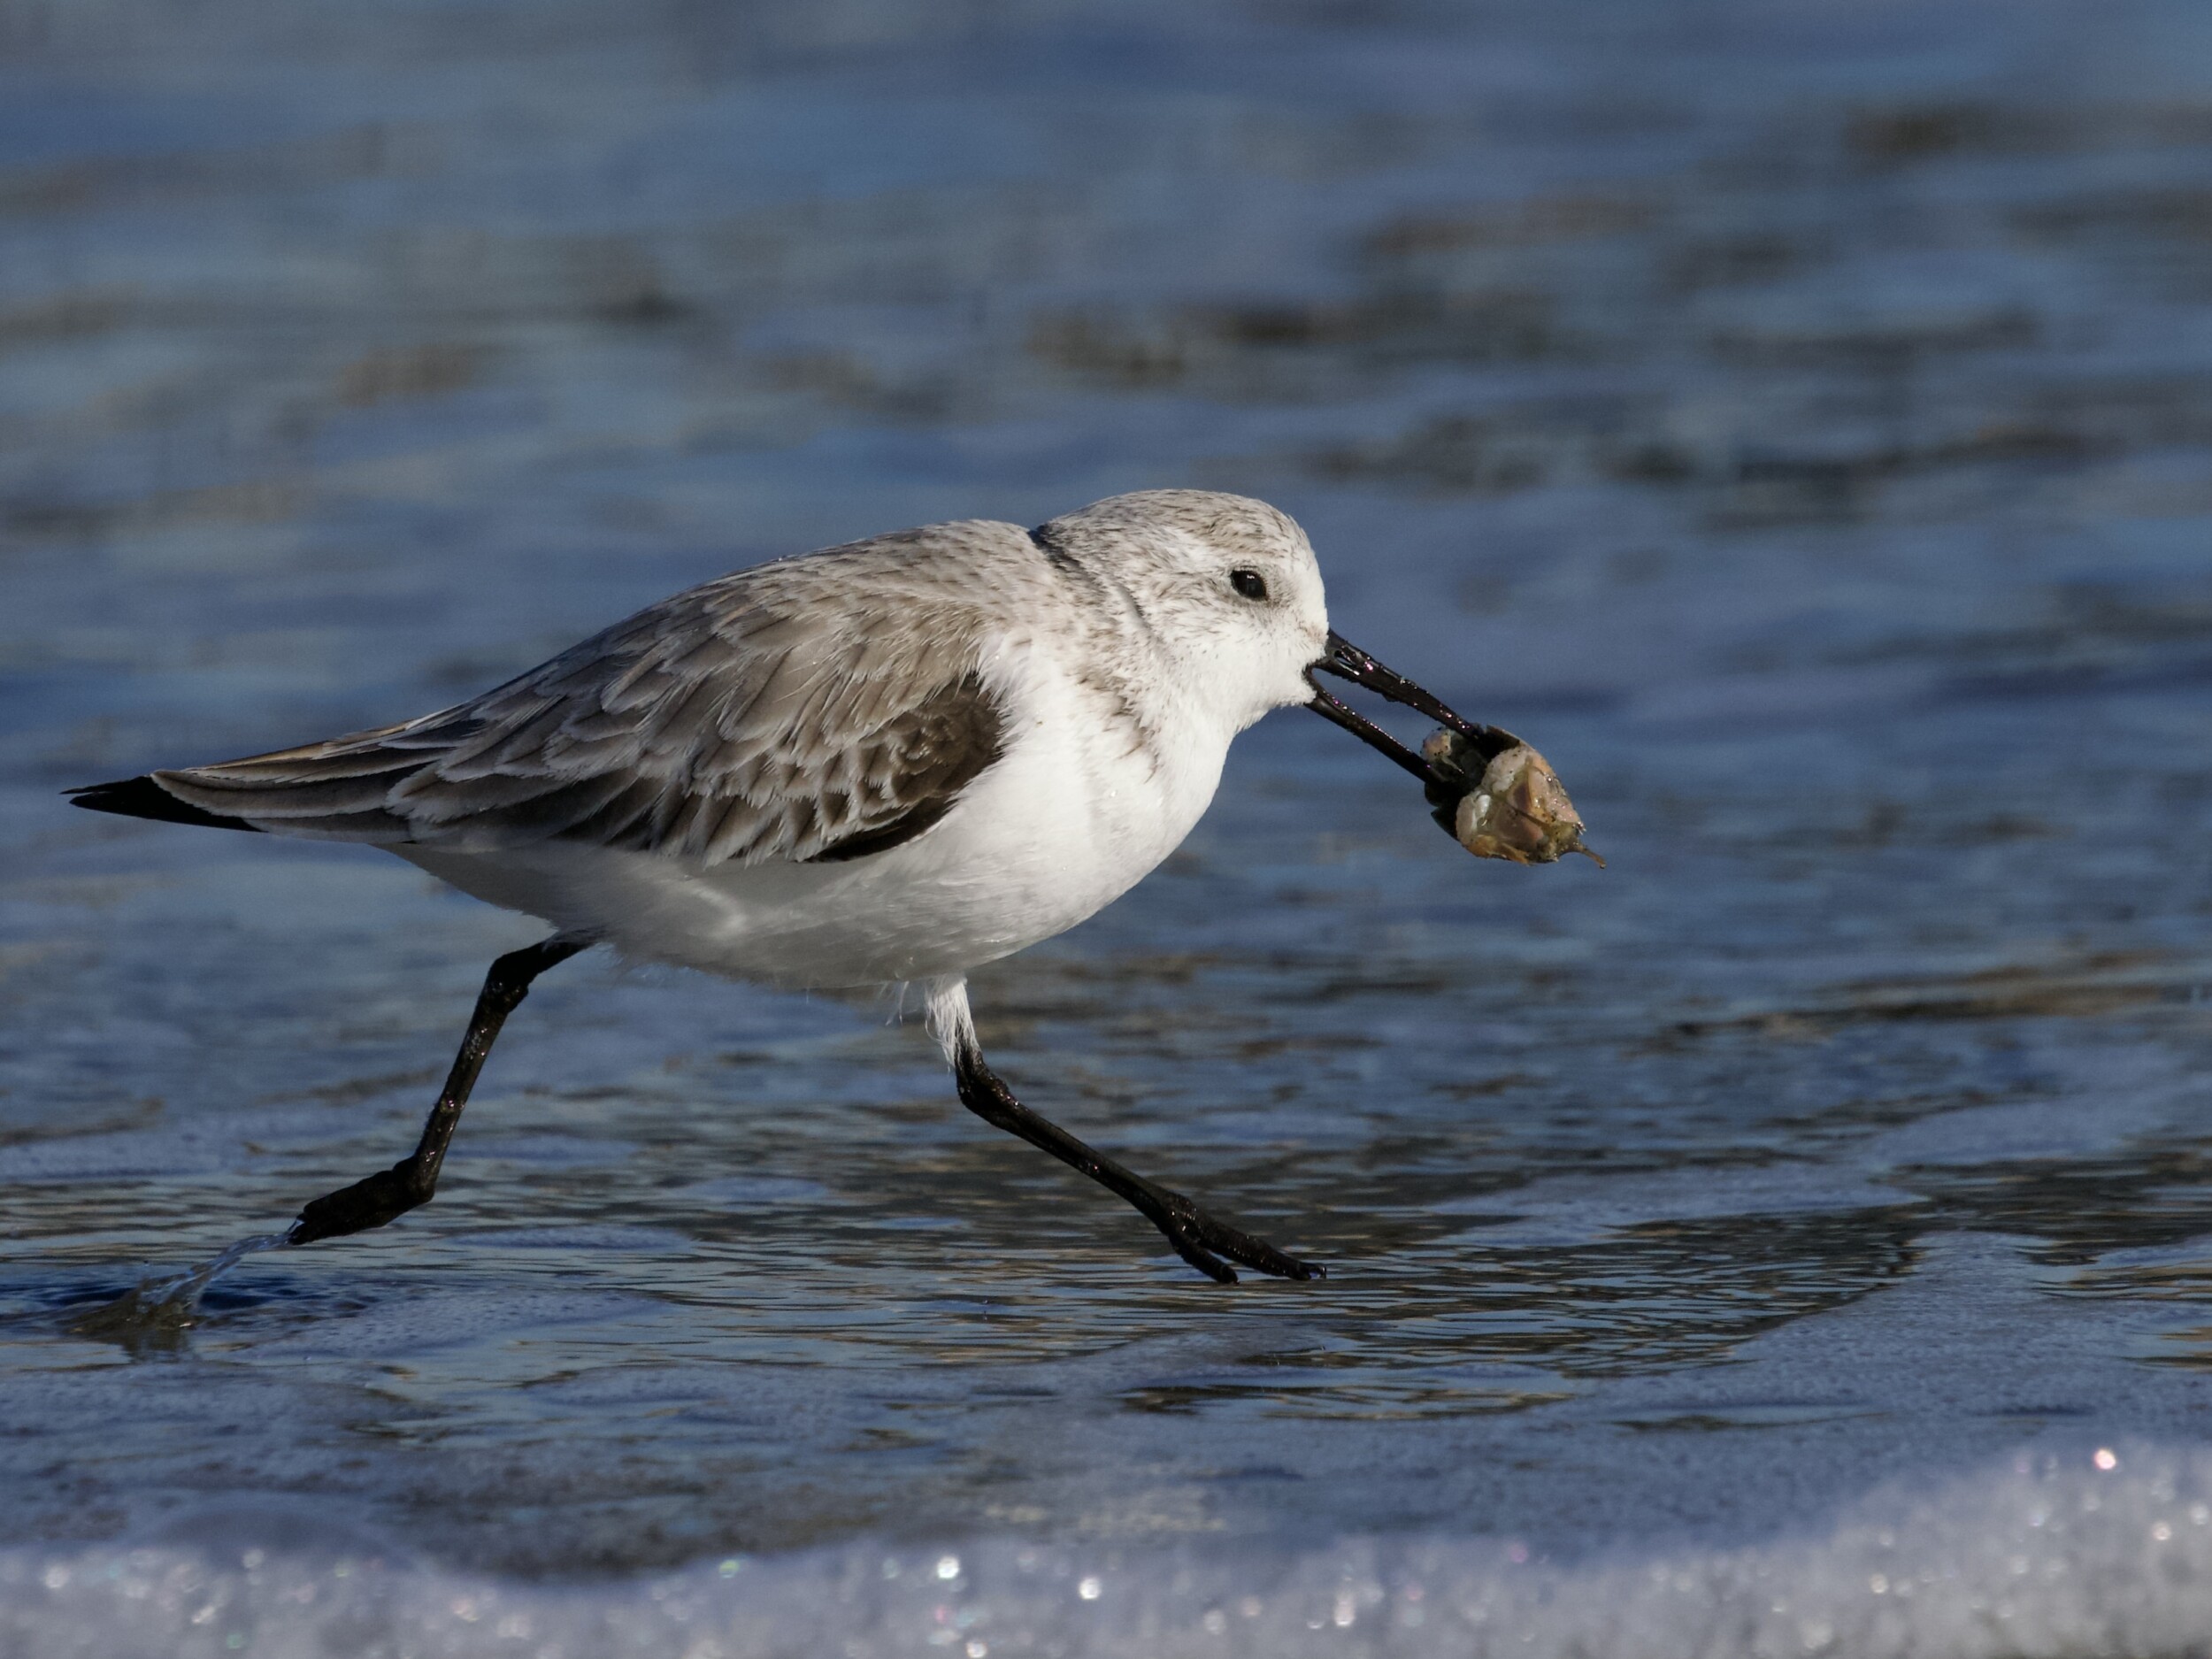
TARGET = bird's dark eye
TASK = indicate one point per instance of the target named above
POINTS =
(1251, 584)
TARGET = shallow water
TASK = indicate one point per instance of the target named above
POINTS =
(1791, 419)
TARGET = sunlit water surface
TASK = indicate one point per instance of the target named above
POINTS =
(1793, 419)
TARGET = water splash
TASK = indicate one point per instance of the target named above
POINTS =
(160, 1308)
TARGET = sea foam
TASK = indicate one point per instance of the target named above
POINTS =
(2101, 1551)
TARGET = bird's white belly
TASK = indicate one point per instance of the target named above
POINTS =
(1069, 820)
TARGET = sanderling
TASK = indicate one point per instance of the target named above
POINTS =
(883, 762)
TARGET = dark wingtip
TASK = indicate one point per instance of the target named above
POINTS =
(142, 797)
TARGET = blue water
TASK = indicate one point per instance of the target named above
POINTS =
(1795, 419)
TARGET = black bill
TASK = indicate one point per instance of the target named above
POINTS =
(1489, 791)
(1347, 660)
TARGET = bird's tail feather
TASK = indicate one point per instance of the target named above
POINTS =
(144, 797)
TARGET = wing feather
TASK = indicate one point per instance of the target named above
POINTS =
(824, 708)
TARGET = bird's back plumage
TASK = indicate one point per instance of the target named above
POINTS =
(821, 707)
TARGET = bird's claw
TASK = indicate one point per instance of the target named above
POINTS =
(1197, 1237)
(370, 1202)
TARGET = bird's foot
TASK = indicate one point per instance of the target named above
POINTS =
(383, 1196)
(1202, 1241)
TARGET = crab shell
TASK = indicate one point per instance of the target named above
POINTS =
(1517, 811)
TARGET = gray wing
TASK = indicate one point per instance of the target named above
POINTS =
(825, 708)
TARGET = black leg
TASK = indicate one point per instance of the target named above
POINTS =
(1196, 1235)
(392, 1193)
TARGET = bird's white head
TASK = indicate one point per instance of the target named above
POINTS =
(1224, 588)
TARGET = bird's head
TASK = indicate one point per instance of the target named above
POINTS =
(1225, 593)
(1223, 590)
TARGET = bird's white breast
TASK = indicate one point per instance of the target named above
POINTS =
(1082, 805)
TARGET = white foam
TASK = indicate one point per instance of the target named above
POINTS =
(2059, 1556)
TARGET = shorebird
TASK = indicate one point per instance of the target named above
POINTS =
(883, 762)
